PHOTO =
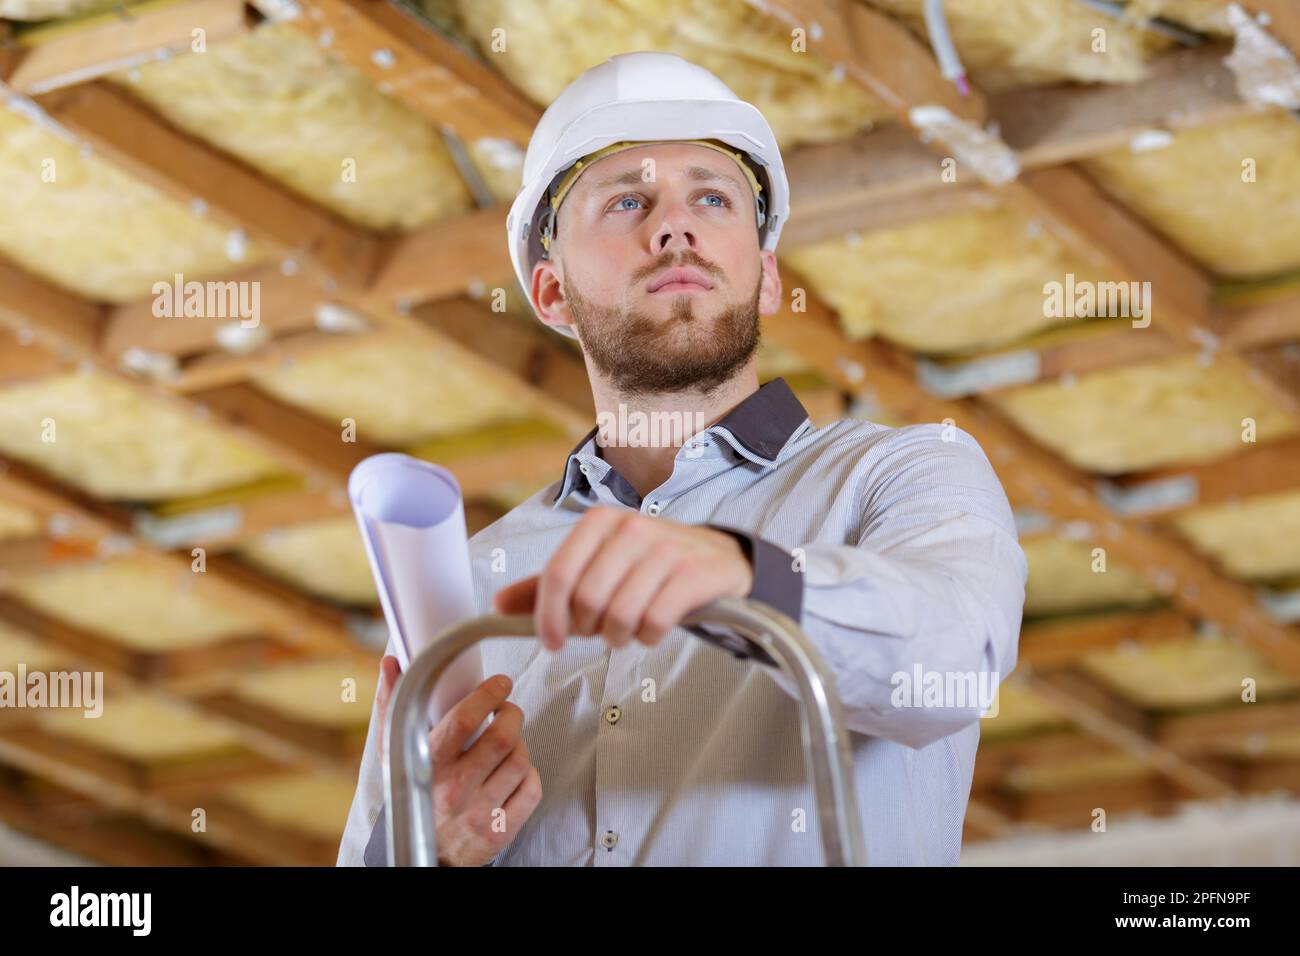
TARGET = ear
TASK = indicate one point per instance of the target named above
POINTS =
(547, 294)
(769, 293)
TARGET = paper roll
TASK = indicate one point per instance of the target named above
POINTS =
(412, 521)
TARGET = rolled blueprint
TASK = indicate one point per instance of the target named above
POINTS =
(412, 521)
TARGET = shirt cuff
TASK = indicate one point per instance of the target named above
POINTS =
(776, 582)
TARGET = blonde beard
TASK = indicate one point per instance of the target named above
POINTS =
(640, 355)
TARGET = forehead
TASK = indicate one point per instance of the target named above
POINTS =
(687, 159)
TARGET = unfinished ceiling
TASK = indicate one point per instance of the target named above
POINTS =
(172, 506)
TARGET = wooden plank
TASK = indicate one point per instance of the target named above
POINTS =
(878, 53)
(523, 349)
(23, 359)
(1098, 712)
(444, 260)
(409, 60)
(1208, 730)
(43, 313)
(1266, 469)
(317, 444)
(287, 304)
(277, 611)
(186, 168)
(57, 58)
(1032, 477)
(1265, 323)
(1061, 643)
(1183, 89)
(1094, 223)
(55, 761)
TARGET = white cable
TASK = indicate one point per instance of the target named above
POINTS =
(945, 51)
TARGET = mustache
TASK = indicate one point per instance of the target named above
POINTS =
(686, 257)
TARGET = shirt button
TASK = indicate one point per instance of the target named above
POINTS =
(612, 714)
(609, 840)
(653, 508)
(584, 469)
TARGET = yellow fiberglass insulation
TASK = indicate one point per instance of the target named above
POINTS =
(77, 220)
(1227, 194)
(548, 43)
(280, 103)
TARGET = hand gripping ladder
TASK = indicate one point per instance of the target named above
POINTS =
(756, 631)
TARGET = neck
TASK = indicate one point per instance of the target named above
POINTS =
(658, 424)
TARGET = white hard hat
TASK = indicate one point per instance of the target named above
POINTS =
(639, 98)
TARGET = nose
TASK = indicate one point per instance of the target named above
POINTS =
(673, 231)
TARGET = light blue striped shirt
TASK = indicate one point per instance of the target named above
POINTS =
(682, 754)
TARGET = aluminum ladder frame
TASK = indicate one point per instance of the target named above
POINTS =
(761, 633)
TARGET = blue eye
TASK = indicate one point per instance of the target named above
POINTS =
(619, 203)
(724, 200)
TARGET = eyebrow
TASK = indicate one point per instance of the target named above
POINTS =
(633, 176)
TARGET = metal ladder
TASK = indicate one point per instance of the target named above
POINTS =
(761, 633)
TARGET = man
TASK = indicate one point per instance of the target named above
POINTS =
(646, 227)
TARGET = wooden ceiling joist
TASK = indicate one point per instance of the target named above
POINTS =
(301, 623)
(1271, 468)
(61, 55)
(1032, 477)
(410, 61)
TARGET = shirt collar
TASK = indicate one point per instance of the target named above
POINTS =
(757, 429)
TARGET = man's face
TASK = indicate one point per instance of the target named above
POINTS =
(658, 268)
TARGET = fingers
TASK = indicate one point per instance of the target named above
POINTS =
(627, 607)
(457, 725)
(523, 801)
(684, 591)
(570, 560)
(492, 748)
(618, 555)
(507, 776)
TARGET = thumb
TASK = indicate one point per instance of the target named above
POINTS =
(518, 598)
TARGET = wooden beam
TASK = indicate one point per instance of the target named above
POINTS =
(1100, 713)
(878, 53)
(522, 348)
(1183, 89)
(64, 54)
(84, 771)
(1265, 323)
(1209, 730)
(278, 611)
(444, 260)
(319, 446)
(230, 657)
(1061, 643)
(1097, 225)
(41, 312)
(1033, 477)
(287, 304)
(186, 168)
(409, 60)
(1266, 469)
(77, 825)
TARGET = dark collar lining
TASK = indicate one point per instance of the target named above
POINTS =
(762, 424)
